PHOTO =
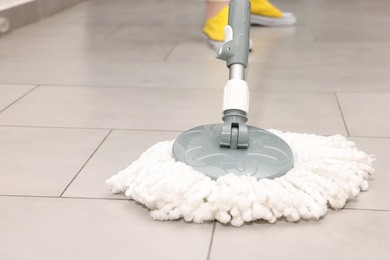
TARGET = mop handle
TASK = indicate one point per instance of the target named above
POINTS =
(235, 50)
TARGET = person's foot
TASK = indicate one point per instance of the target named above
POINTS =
(262, 13)
(213, 28)
(266, 14)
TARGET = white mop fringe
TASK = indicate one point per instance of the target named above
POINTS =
(327, 173)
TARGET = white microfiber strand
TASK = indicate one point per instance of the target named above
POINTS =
(327, 172)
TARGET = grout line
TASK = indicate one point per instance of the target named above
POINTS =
(362, 136)
(18, 99)
(148, 87)
(20, 84)
(342, 115)
(56, 197)
(377, 210)
(153, 87)
(115, 30)
(126, 199)
(82, 167)
(211, 241)
(61, 127)
(30, 196)
(170, 51)
(148, 130)
(96, 128)
(90, 198)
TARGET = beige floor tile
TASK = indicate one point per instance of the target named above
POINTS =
(10, 93)
(98, 72)
(361, 32)
(118, 151)
(84, 48)
(65, 32)
(43, 161)
(378, 195)
(46, 70)
(349, 23)
(365, 113)
(153, 13)
(184, 51)
(361, 14)
(169, 109)
(307, 112)
(347, 234)
(338, 54)
(78, 40)
(118, 108)
(37, 228)
(320, 76)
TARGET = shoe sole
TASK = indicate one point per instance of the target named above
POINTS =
(288, 19)
(215, 45)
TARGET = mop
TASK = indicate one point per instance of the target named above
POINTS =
(235, 173)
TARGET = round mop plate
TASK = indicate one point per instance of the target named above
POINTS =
(267, 156)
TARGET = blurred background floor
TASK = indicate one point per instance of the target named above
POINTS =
(84, 92)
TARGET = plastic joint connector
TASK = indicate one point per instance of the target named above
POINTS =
(234, 134)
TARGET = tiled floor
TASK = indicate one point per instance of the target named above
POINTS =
(85, 92)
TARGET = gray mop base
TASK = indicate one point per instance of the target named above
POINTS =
(267, 156)
(327, 173)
